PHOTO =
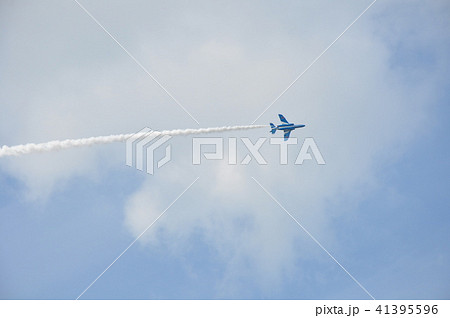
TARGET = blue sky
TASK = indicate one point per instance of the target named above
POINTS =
(375, 103)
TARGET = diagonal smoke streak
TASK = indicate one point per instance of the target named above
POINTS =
(82, 142)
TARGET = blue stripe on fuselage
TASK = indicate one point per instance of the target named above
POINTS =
(285, 125)
(289, 127)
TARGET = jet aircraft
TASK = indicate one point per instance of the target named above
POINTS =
(286, 127)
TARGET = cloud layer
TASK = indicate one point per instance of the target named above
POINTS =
(225, 62)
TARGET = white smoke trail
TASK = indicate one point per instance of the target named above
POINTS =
(71, 143)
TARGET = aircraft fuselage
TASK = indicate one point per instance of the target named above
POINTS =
(289, 126)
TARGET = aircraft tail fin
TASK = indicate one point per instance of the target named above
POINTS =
(274, 129)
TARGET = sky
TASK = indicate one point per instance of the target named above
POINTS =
(376, 105)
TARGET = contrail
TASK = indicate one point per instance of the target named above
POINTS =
(82, 142)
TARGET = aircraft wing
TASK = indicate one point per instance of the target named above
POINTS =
(286, 134)
(283, 119)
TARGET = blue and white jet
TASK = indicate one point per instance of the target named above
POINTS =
(286, 127)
